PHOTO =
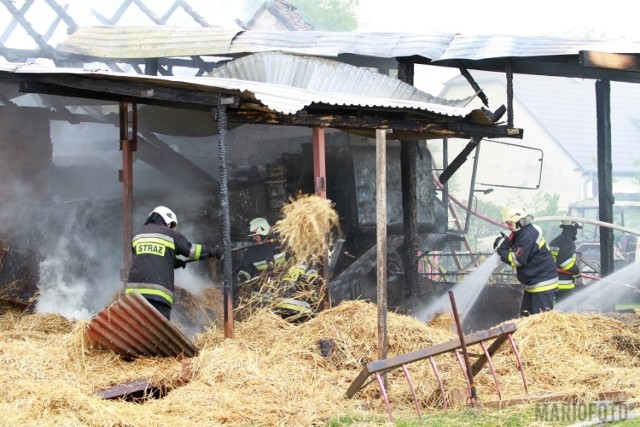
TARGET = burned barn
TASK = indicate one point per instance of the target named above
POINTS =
(89, 151)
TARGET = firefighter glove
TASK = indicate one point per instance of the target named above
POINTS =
(179, 263)
(216, 252)
(498, 242)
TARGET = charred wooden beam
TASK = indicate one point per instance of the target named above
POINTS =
(476, 88)
(411, 129)
(115, 91)
(558, 66)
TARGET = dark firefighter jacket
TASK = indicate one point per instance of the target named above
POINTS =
(155, 248)
(530, 255)
(563, 250)
(259, 258)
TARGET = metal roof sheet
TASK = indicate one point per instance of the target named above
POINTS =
(162, 41)
(478, 47)
(323, 75)
(144, 42)
(132, 327)
(329, 43)
(279, 98)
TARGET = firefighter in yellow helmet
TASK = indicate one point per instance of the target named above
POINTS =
(527, 251)
(266, 254)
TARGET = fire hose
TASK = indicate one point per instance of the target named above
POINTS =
(239, 248)
(596, 278)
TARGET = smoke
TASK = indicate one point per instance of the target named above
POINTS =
(80, 272)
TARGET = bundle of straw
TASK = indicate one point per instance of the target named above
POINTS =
(305, 227)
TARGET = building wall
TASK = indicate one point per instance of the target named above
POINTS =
(503, 165)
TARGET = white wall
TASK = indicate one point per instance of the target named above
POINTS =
(503, 165)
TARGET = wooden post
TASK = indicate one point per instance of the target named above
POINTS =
(319, 168)
(381, 239)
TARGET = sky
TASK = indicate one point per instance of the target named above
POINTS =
(546, 17)
(565, 18)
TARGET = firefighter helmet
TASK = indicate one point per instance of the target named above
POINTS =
(259, 226)
(170, 218)
(570, 223)
(513, 213)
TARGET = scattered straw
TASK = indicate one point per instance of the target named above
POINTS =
(275, 373)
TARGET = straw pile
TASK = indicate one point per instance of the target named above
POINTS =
(274, 372)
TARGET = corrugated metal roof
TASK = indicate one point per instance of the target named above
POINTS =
(154, 42)
(329, 43)
(145, 42)
(477, 47)
(132, 328)
(323, 75)
(278, 98)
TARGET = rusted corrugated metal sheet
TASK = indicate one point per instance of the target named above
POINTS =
(279, 98)
(132, 328)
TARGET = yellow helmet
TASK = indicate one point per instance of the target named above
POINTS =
(513, 213)
(259, 226)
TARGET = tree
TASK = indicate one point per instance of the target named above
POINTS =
(328, 15)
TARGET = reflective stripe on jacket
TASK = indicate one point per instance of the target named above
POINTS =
(155, 247)
(563, 250)
(529, 254)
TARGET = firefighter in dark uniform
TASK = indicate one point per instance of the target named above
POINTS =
(527, 251)
(563, 249)
(267, 255)
(262, 256)
(155, 248)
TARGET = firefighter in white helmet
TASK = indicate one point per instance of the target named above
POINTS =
(527, 251)
(156, 246)
(563, 249)
(266, 254)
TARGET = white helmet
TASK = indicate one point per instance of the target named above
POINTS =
(259, 226)
(170, 219)
(513, 213)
